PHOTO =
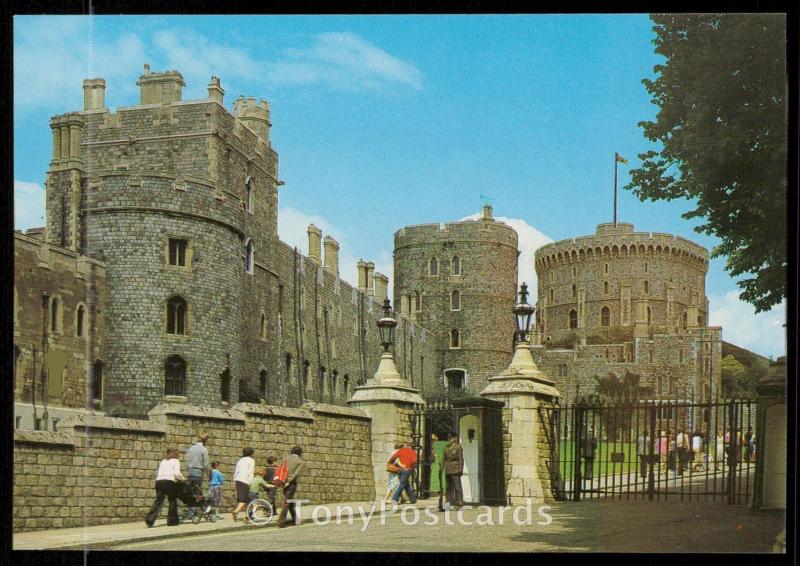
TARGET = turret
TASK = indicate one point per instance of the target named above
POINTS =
(160, 88)
(254, 115)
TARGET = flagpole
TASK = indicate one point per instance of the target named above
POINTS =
(615, 189)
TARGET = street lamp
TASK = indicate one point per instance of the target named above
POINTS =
(386, 326)
(523, 312)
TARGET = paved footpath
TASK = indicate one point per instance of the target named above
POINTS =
(591, 526)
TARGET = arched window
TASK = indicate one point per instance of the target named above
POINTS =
(552, 296)
(288, 367)
(176, 315)
(605, 317)
(605, 288)
(225, 385)
(649, 315)
(175, 376)
(455, 378)
(573, 319)
(249, 256)
(574, 292)
(433, 266)
(248, 194)
(262, 384)
(306, 366)
(321, 384)
(646, 266)
(80, 321)
(263, 332)
(455, 300)
(55, 315)
(455, 265)
(334, 380)
(646, 288)
(417, 301)
(455, 338)
(606, 269)
(346, 386)
(96, 384)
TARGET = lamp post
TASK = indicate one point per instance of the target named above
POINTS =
(386, 326)
(523, 313)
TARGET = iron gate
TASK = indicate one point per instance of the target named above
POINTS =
(654, 450)
(434, 422)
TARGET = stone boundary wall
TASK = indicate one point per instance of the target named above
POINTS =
(101, 470)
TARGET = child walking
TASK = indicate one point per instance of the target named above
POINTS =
(215, 488)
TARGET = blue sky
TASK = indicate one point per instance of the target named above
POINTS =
(385, 121)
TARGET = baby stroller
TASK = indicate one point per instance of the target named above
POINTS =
(193, 498)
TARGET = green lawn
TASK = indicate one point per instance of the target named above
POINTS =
(602, 458)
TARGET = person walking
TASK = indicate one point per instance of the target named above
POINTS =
(453, 458)
(294, 466)
(697, 450)
(215, 487)
(406, 459)
(663, 447)
(588, 447)
(167, 476)
(198, 467)
(682, 445)
(242, 477)
(643, 449)
(393, 470)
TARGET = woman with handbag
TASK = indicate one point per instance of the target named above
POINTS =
(169, 473)
(393, 469)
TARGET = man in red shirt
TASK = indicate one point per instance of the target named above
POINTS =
(405, 458)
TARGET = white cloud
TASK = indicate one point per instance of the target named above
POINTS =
(28, 205)
(762, 333)
(52, 56)
(529, 240)
(344, 61)
(293, 229)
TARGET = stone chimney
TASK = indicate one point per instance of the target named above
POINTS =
(160, 88)
(487, 212)
(331, 255)
(215, 92)
(370, 278)
(314, 239)
(381, 283)
(94, 94)
(362, 275)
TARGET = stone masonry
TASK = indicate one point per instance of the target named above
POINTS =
(624, 301)
(477, 260)
(270, 322)
(100, 470)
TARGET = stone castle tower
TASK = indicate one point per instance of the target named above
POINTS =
(619, 284)
(459, 280)
(179, 198)
(624, 301)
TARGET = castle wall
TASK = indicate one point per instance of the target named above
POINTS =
(76, 282)
(487, 252)
(121, 184)
(82, 472)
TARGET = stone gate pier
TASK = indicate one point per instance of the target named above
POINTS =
(525, 392)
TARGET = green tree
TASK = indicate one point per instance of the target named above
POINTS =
(722, 130)
(734, 377)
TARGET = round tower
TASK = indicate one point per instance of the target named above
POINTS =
(619, 284)
(459, 281)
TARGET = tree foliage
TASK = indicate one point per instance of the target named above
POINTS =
(722, 130)
(740, 380)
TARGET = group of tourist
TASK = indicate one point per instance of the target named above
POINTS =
(401, 467)
(250, 483)
(681, 451)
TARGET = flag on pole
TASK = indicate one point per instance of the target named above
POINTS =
(620, 158)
